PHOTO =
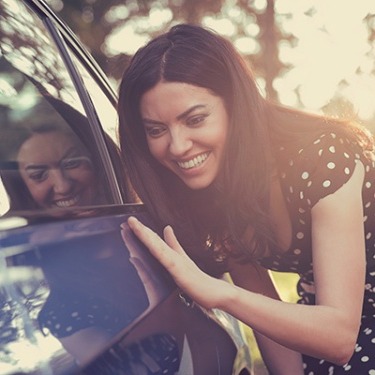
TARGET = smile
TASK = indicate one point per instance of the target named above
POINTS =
(67, 202)
(195, 162)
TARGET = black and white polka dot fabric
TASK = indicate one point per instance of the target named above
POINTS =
(64, 314)
(307, 175)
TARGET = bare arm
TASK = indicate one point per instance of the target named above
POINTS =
(83, 345)
(327, 330)
(278, 359)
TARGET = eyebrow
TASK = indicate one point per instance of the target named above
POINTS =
(68, 153)
(179, 117)
(188, 111)
(36, 167)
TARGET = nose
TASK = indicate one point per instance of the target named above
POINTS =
(180, 142)
(60, 182)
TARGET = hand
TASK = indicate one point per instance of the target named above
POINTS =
(202, 288)
(151, 283)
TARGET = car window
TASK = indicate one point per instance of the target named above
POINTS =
(48, 154)
(104, 108)
(106, 113)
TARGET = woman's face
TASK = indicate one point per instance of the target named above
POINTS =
(56, 170)
(186, 128)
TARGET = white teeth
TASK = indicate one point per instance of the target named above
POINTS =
(193, 162)
(67, 202)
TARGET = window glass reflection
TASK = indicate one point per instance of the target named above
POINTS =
(68, 290)
(104, 108)
(45, 164)
(48, 157)
(25, 46)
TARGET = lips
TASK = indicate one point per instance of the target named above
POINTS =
(63, 203)
(194, 162)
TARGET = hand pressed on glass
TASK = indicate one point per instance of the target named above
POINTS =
(202, 288)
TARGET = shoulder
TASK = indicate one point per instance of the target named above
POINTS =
(322, 166)
(329, 146)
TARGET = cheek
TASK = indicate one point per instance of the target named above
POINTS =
(224, 140)
(82, 176)
(39, 192)
(157, 149)
(222, 136)
(216, 138)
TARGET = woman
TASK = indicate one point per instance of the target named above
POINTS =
(249, 186)
(46, 163)
(89, 277)
(56, 169)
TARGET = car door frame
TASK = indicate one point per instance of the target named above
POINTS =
(65, 40)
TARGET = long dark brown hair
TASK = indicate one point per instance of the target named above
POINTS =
(197, 56)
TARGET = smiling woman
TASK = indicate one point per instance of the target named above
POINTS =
(249, 186)
(48, 164)
(187, 136)
(56, 168)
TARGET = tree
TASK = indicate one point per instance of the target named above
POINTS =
(95, 20)
(268, 33)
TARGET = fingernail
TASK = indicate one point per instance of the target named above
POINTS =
(132, 220)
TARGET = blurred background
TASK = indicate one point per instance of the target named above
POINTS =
(312, 54)
(316, 55)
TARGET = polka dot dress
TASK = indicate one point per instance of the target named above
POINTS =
(64, 314)
(307, 175)
(107, 293)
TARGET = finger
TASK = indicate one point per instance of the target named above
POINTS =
(129, 240)
(151, 285)
(171, 240)
(139, 266)
(150, 239)
(142, 231)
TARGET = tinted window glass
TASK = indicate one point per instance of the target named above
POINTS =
(48, 156)
(105, 110)
(107, 115)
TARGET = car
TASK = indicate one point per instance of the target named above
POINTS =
(79, 294)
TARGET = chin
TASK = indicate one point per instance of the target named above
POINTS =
(197, 186)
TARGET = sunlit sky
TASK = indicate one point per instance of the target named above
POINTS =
(332, 57)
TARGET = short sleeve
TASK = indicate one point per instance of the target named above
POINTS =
(62, 314)
(61, 318)
(322, 167)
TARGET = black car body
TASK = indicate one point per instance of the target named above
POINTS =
(78, 293)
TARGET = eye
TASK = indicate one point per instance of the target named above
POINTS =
(75, 162)
(155, 131)
(38, 175)
(196, 120)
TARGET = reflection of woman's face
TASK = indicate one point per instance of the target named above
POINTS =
(56, 170)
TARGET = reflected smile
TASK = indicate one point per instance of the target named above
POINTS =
(194, 162)
(62, 203)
